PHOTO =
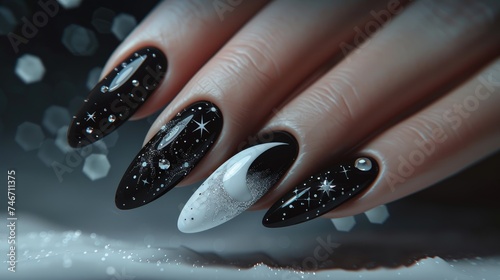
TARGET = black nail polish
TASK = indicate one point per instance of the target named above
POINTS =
(117, 96)
(322, 192)
(268, 168)
(170, 155)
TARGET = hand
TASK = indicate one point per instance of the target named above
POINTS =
(367, 99)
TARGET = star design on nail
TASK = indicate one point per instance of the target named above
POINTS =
(145, 182)
(345, 172)
(90, 116)
(326, 187)
(201, 126)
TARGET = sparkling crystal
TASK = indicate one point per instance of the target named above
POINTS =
(55, 117)
(363, 164)
(104, 89)
(29, 68)
(123, 24)
(96, 166)
(135, 83)
(164, 164)
(29, 136)
(79, 40)
(89, 130)
(112, 118)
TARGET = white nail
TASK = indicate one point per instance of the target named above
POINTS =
(228, 192)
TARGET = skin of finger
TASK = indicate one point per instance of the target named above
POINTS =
(377, 83)
(259, 67)
(452, 134)
(179, 28)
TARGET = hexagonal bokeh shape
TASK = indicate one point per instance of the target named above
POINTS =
(96, 166)
(93, 77)
(377, 215)
(102, 20)
(29, 68)
(344, 224)
(55, 117)
(70, 4)
(29, 136)
(123, 24)
(50, 153)
(98, 147)
(79, 40)
(111, 139)
(61, 140)
(7, 21)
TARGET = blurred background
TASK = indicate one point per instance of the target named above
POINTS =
(68, 222)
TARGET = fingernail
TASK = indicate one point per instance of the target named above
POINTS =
(322, 192)
(118, 96)
(170, 155)
(238, 183)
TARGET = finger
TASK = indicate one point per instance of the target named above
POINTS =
(139, 68)
(376, 86)
(446, 138)
(442, 139)
(260, 63)
(337, 113)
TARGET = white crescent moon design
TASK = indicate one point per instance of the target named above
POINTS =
(235, 178)
(225, 194)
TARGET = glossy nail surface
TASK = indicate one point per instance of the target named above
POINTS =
(322, 192)
(238, 183)
(117, 96)
(170, 155)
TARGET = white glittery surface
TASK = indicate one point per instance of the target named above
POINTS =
(212, 205)
(57, 254)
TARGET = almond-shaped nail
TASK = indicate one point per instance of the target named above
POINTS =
(117, 96)
(238, 183)
(170, 155)
(322, 192)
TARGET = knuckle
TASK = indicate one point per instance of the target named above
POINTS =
(335, 97)
(250, 60)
